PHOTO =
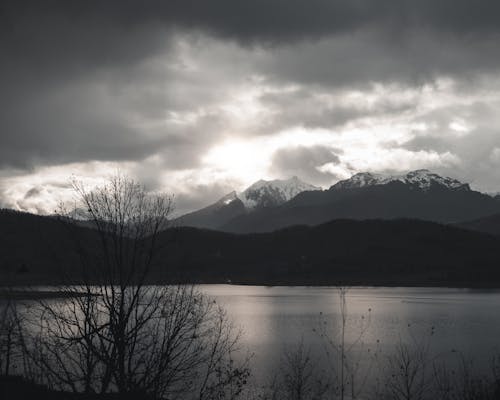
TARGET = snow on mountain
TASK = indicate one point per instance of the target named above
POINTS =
(272, 193)
(422, 178)
(362, 179)
(228, 198)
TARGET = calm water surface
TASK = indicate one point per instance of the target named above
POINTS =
(449, 321)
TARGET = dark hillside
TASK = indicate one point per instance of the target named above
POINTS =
(42, 250)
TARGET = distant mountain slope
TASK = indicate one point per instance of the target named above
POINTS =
(261, 195)
(490, 224)
(215, 215)
(419, 194)
(372, 252)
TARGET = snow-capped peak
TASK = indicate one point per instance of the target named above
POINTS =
(272, 193)
(362, 179)
(422, 178)
(228, 198)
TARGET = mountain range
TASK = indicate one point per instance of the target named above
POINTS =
(269, 205)
(414, 229)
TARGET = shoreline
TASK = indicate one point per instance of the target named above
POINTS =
(30, 292)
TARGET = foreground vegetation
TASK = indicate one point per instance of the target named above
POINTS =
(121, 335)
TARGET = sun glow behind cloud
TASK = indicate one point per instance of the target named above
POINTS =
(242, 159)
(199, 107)
(370, 143)
(223, 128)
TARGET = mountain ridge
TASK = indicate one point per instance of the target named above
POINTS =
(259, 195)
(418, 194)
(421, 178)
(371, 252)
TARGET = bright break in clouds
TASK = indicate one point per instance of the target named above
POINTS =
(199, 98)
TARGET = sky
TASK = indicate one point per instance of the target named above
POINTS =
(199, 98)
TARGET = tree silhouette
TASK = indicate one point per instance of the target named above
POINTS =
(117, 332)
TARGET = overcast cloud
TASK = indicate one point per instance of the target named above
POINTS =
(201, 97)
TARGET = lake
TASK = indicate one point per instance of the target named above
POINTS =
(448, 325)
(450, 322)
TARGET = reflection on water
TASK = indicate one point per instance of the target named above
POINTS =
(274, 318)
(462, 320)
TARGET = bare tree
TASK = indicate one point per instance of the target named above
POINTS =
(114, 331)
(465, 382)
(408, 368)
(411, 371)
(299, 377)
(9, 335)
(346, 358)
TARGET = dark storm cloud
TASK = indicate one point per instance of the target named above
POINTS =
(265, 20)
(57, 37)
(114, 115)
(304, 162)
(44, 127)
(77, 86)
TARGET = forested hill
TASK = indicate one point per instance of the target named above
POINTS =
(371, 252)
